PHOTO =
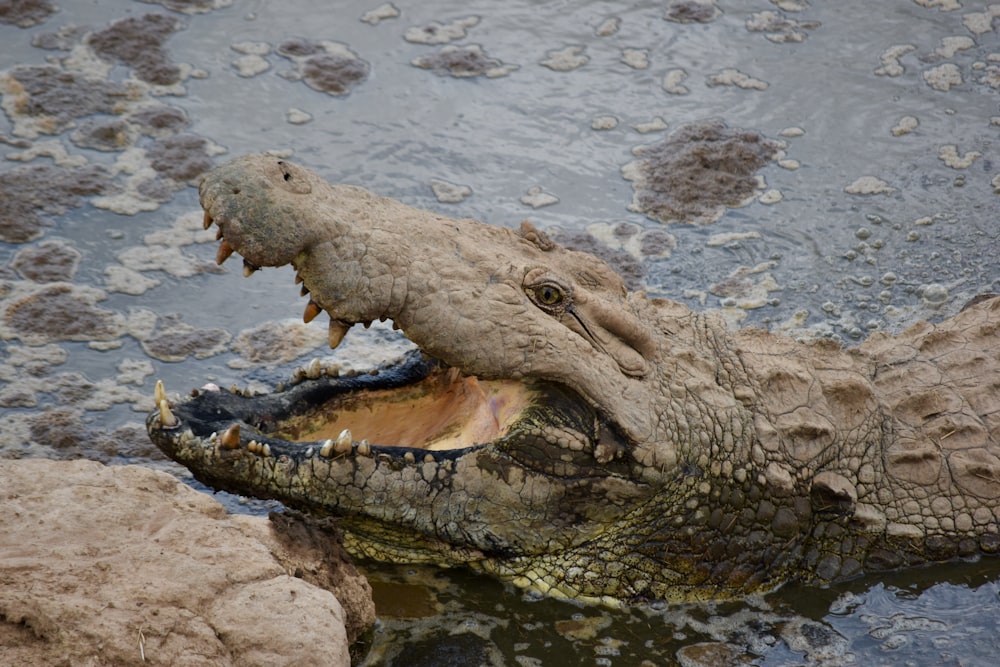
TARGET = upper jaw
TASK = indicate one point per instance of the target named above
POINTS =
(234, 425)
(327, 252)
(306, 269)
(338, 327)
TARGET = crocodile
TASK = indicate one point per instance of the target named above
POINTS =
(580, 440)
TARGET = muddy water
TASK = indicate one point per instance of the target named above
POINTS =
(876, 206)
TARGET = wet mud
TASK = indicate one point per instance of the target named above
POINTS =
(139, 43)
(846, 164)
(463, 62)
(326, 66)
(32, 194)
(26, 13)
(698, 171)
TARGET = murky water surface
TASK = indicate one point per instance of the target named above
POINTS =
(877, 207)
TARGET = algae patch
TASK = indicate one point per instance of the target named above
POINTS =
(698, 171)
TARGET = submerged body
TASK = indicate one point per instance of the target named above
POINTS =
(581, 440)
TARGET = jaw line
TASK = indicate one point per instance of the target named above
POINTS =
(313, 411)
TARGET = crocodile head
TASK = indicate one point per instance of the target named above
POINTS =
(515, 440)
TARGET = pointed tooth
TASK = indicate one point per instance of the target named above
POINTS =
(337, 332)
(326, 451)
(395, 327)
(218, 234)
(309, 453)
(207, 221)
(367, 324)
(249, 269)
(304, 291)
(428, 458)
(344, 440)
(159, 393)
(364, 448)
(225, 250)
(409, 457)
(266, 450)
(314, 369)
(231, 438)
(167, 419)
(312, 310)
(298, 279)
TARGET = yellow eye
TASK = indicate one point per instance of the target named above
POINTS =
(548, 295)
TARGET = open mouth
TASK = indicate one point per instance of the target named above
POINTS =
(441, 410)
(416, 410)
(414, 404)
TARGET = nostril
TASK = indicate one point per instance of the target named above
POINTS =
(236, 189)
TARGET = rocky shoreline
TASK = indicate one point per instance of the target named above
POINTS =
(122, 565)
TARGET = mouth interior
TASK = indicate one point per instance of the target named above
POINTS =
(445, 410)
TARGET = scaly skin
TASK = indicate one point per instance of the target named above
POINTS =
(667, 457)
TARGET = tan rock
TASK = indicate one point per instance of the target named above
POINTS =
(124, 565)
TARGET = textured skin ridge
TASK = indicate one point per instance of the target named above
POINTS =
(716, 462)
